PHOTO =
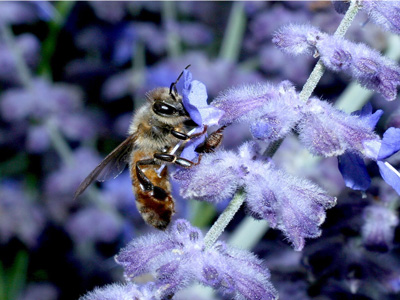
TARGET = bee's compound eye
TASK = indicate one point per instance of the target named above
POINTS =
(164, 109)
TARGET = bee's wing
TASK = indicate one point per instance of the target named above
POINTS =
(111, 166)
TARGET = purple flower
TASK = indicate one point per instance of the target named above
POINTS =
(194, 99)
(295, 206)
(327, 131)
(177, 258)
(296, 39)
(122, 291)
(266, 22)
(378, 228)
(353, 167)
(38, 139)
(152, 36)
(384, 13)
(67, 178)
(20, 217)
(42, 100)
(29, 47)
(118, 86)
(364, 64)
(78, 126)
(271, 111)
(14, 12)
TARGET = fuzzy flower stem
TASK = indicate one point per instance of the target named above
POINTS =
(227, 215)
(224, 219)
(319, 68)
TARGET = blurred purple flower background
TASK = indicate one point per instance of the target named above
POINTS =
(327, 226)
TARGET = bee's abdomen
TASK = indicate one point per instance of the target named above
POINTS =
(157, 205)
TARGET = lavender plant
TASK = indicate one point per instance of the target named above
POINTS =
(53, 126)
(323, 129)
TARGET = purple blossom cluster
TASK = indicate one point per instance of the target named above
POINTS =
(384, 13)
(72, 73)
(264, 106)
(29, 46)
(362, 63)
(294, 205)
(323, 129)
(178, 257)
(21, 217)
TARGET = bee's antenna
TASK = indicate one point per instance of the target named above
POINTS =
(173, 85)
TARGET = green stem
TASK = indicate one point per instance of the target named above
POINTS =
(224, 219)
(3, 291)
(231, 44)
(169, 17)
(319, 68)
(17, 275)
(63, 9)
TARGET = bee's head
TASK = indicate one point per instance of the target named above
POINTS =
(166, 104)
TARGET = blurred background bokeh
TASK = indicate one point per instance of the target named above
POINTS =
(71, 75)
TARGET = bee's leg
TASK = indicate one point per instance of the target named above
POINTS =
(211, 142)
(185, 137)
(145, 182)
(180, 161)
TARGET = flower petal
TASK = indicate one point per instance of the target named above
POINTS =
(354, 172)
(390, 143)
(195, 102)
(390, 175)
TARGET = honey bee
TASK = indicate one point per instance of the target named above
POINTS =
(155, 129)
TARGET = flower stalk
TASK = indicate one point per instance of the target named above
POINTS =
(319, 68)
(224, 219)
(228, 214)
